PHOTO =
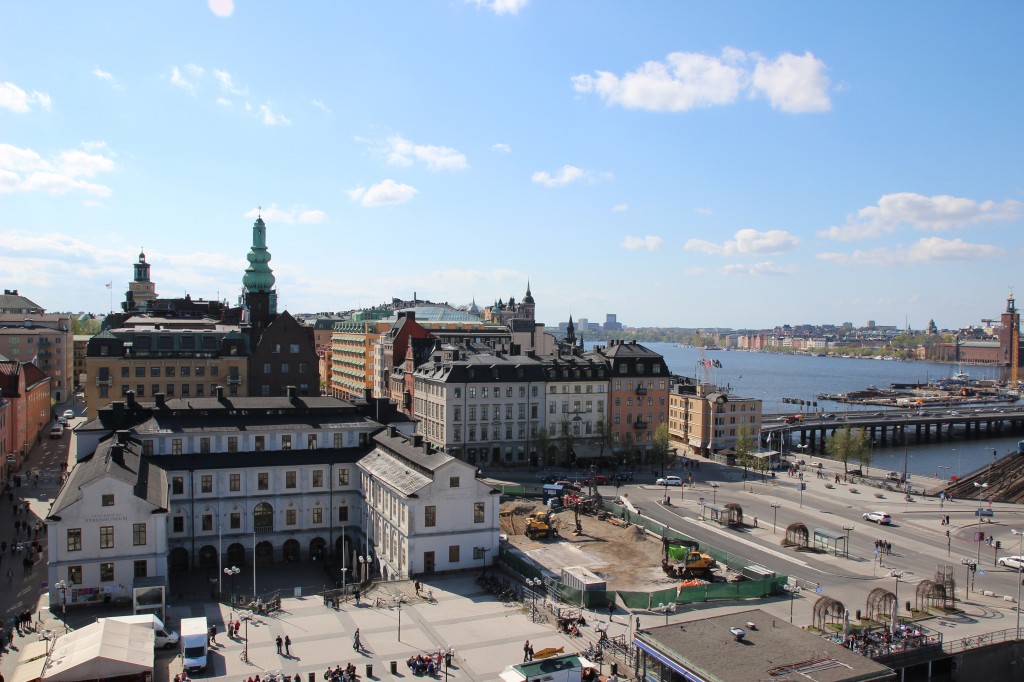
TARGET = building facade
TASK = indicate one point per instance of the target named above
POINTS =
(427, 511)
(703, 419)
(45, 340)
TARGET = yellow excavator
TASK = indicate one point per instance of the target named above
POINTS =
(683, 559)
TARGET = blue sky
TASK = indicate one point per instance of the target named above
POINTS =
(679, 164)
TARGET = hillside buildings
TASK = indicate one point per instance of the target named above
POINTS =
(704, 419)
(30, 334)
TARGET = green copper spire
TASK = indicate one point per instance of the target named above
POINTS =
(258, 276)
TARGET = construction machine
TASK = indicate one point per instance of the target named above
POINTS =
(538, 525)
(683, 559)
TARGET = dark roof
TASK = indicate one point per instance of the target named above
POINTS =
(118, 460)
(483, 367)
(165, 422)
(266, 458)
(33, 375)
(12, 300)
(708, 648)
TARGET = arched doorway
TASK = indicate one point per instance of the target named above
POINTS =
(343, 548)
(208, 557)
(236, 554)
(264, 553)
(177, 560)
(263, 517)
(291, 550)
(318, 549)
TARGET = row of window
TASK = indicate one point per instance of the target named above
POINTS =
(553, 388)
(495, 391)
(291, 477)
(486, 432)
(171, 390)
(140, 569)
(168, 371)
(262, 519)
(577, 406)
(74, 537)
(639, 401)
(285, 368)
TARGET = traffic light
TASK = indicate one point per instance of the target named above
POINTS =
(999, 544)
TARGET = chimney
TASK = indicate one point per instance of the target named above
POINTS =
(130, 399)
(289, 391)
(411, 315)
(116, 451)
(427, 450)
(118, 408)
(122, 436)
(160, 397)
(417, 440)
(220, 393)
(368, 394)
(392, 432)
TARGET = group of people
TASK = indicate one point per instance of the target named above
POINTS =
(424, 664)
(883, 547)
(286, 642)
(944, 520)
(339, 674)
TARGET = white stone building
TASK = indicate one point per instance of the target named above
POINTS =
(427, 511)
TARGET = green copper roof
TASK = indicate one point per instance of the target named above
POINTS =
(258, 276)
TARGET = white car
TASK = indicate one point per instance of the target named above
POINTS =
(1014, 562)
(669, 480)
(879, 517)
(69, 414)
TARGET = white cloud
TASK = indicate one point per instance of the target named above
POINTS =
(748, 242)
(17, 100)
(221, 8)
(938, 213)
(501, 147)
(298, 214)
(179, 80)
(694, 272)
(564, 176)
(704, 211)
(383, 193)
(24, 170)
(271, 119)
(105, 76)
(402, 152)
(227, 83)
(224, 102)
(792, 83)
(619, 208)
(321, 106)
(650, 243)
(926, 250)
(764, 268)
(689, 80)
(501, 6)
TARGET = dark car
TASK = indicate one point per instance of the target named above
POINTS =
(567, 485)
(600, 479)
(624, 476)
(548, 480)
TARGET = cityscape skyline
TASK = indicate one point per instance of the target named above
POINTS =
(766, 165)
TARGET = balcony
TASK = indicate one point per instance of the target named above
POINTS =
(641, 390)
(105, 380)
(234, 380)
(639, 425)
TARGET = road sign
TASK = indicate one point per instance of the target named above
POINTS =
(984, 512)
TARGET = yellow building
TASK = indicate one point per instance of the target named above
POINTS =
(178, 358)
(703, 419)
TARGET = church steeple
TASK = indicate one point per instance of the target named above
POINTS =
(258, 280)
(570, 333)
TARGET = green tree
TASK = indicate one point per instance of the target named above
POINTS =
(745, 447)
(543, 444)
(846, 444)
(659, 452)
(568, 439)
(89, 326)
(866, 451)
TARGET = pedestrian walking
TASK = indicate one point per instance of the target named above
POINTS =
(287, 645)
(213, 634)
(526, 652)
(755, 522)
(279, 643)
(355, 641)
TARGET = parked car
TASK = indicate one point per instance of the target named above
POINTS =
(601, 479)
(548, 480)
(895, 476)
(69, 414)
(624, 476)
(568, 485)
(669, 480)
(57, 431)
(879, 517)
(62, 421)
(1014, 562)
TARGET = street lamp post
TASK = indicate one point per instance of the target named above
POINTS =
(533, 584)
(666, 609)
(848, 528)
(801, 484)
(1020, 551)
(896, 607)
(775, 514)
(398, 603)
(232, 571)
(714, 491)
(63, 587)
(792, 589)
(344, 585)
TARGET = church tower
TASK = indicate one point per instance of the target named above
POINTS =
(141, 290)
(527, 307)
(258, 281)
(1009, 339)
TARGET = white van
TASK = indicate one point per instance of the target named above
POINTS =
(195, 633)
(164, 638)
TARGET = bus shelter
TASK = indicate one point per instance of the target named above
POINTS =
(723, 516)
(830, 541)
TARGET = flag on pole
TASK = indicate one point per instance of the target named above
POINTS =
(110, 284)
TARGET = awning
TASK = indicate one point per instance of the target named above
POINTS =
(662, 658)
(105, 649)
(29, 672)
(34, 650)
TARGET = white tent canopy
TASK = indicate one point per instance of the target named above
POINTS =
(101, 650)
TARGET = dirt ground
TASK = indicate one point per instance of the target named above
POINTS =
(626, 557)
